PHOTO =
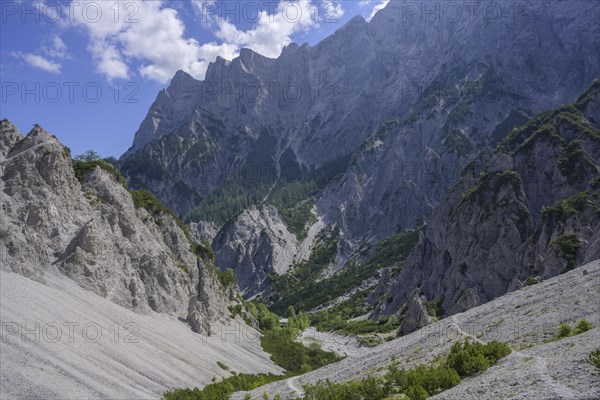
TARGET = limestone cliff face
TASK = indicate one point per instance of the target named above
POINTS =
(410, 99)
(530, 208)
(255, 244)
(92, 232)
(452, 86)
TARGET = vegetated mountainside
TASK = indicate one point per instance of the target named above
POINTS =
(396, 109)
(542, 365)
(80, 220)
(528, 210)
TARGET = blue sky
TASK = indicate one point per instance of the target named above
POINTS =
(87, 71)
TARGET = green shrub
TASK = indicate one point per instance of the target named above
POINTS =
(267, 320)
(227, 277)
(204, 252)
(574, 162)
(235, 310)
(294, 356)
(223, 366)
(332, 391)
(82, 168)
(434, 308)
(370, 340)
(531, 281)
(594, 359)
(467, 363)
(416, 392)
(583, 326)
(224, 389)
(415, 384)
(569, 245)
(495, 350)
(433, 379)
(470, 358)
(564, 331)
(146, 200)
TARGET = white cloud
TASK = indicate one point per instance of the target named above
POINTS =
(272, 32)
(149, 33)
(379, 6)
(109, 61)
(39, 62)
(154, 37)
(56, 48)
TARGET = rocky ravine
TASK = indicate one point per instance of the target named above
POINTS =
(93, 233)
(524, 319)
(255, 244)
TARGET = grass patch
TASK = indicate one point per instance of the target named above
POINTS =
(183, 268)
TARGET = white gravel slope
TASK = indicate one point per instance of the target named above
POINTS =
(162, 354)
(523, 319)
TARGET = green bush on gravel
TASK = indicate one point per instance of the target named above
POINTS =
(465, 359)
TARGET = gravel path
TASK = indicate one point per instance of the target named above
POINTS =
(342, 345)
(293, 385)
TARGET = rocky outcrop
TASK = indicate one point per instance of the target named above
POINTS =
(255, 244)
(528, 208)
(415, 315)
(203, 232)
(93, 232)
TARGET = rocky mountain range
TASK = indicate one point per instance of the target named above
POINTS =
(407, 172)
(361, 134)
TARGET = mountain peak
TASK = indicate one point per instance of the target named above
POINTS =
(5, 125)
(181, 77)
(356, 21)
(38, 132)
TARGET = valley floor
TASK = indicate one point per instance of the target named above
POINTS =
(104, 350)
(527, 320)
